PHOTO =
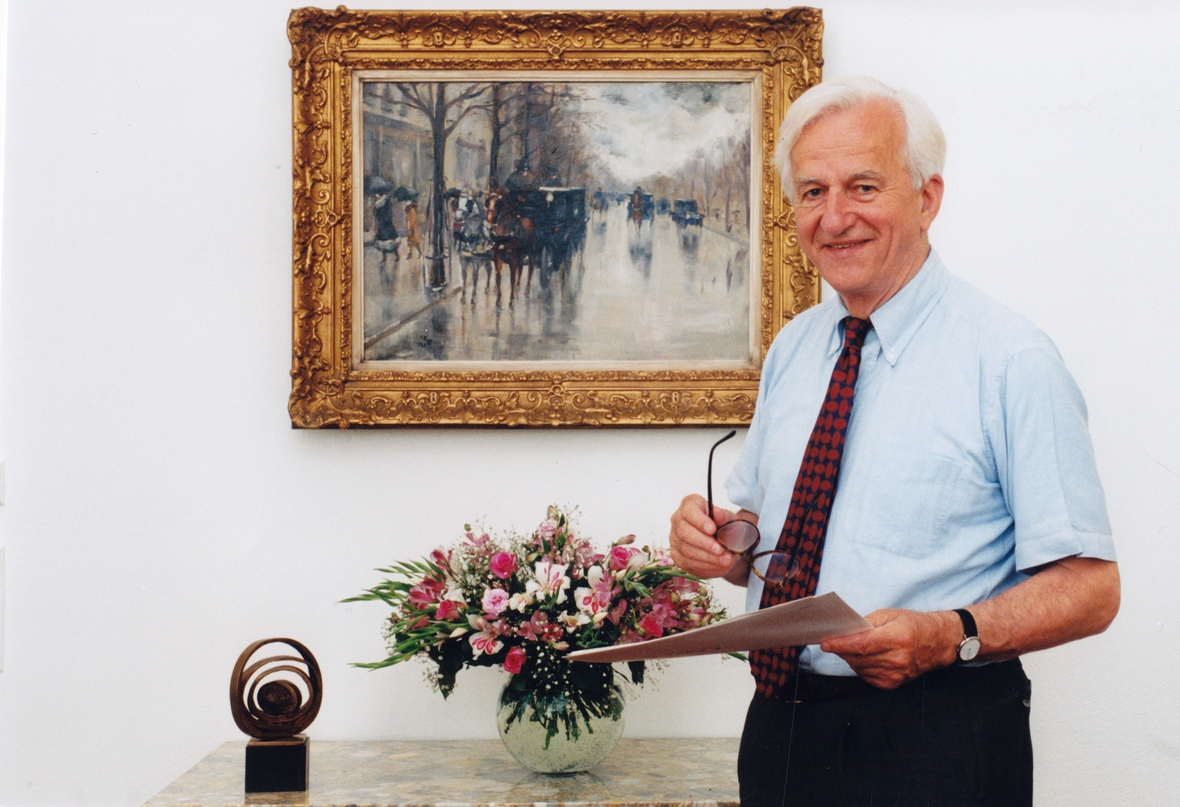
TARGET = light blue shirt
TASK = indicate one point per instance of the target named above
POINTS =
(967, 465)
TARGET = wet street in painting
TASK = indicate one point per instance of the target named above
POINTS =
(660, 292)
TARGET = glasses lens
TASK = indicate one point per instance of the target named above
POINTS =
(738, 536)
(776, 567)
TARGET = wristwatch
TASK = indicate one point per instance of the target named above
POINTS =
(969, 647)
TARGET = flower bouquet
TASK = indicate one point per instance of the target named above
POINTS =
(523, 602)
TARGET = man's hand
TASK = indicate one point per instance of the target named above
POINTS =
(696, 550)
(901, 646)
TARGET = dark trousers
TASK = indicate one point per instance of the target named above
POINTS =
(956, 737)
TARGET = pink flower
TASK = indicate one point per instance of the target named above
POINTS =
(548, 527)
(539, 629)
(514, 660)
(474, 540)
(604, 589)
(495, 600)
(650, 625)
(447, 610)
(626, 539)
(503, 564)
(426, 593)
(619, 557)
(441, 557)
(617, 612)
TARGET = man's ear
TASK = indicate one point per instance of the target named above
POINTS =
(931, 200)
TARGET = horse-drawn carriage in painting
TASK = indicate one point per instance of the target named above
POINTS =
(640, 206)
(543, 227)
(684, 212)
(599, 201)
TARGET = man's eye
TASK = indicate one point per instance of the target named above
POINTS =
(811, 193)
(865, 188)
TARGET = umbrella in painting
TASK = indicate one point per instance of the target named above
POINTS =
(375, 184)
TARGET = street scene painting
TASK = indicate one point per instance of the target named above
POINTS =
(583, 221)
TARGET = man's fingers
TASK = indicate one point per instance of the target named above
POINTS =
(707, 554)
(694, 512)
(701, 561)
(864, 643)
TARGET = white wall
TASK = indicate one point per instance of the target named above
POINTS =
(161, 513)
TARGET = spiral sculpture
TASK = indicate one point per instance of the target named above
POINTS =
(274, 709)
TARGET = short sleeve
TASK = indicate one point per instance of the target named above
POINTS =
(1045, 461)
(743, 487)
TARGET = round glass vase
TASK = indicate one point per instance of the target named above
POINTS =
(559, 731)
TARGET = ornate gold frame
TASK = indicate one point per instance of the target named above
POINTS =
(328, 46)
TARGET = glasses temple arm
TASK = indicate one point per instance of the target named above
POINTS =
(709, 481)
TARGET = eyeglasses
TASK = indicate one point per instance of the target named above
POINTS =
(739, 537)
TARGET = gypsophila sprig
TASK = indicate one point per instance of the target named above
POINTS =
(523, 602)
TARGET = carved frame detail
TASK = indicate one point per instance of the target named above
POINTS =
(327, 46)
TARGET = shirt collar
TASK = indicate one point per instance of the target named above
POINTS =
(899, 318)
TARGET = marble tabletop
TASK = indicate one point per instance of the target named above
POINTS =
(700, 772)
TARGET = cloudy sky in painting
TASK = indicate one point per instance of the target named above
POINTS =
(647, 128)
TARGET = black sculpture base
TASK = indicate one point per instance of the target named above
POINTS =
(274, 766)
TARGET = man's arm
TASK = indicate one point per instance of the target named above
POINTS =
(696, 550)
(1066, 600)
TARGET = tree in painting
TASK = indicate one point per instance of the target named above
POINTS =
(444, 115)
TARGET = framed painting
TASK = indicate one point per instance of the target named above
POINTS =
(541, 219)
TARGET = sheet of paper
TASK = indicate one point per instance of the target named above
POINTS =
(806, 621)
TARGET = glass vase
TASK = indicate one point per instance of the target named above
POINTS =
(559, 731)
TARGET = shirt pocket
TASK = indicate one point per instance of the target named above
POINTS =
(906, 509)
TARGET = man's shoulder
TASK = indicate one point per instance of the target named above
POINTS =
(998, 327)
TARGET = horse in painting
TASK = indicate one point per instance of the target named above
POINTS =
(513, 238)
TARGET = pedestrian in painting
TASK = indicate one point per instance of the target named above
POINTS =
(386, 241)
(413, 233)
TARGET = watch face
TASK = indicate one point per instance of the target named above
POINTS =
(969, 649)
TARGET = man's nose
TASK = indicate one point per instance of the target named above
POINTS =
(837, 213)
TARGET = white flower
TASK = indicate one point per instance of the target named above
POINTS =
(573, 621)
(584, 599)
(638, 560)
(485, 641)
(518, 602)
(550, 580)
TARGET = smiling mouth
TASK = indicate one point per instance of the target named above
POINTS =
(846, 246)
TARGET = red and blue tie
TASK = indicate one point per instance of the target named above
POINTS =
(803, 532)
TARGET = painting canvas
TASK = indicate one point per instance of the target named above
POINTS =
(570, 221)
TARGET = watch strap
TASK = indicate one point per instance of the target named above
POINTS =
(969, 629)
(968, 649)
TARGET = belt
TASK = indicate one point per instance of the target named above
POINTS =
(808, 687)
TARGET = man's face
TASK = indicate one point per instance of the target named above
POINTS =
(859, 219)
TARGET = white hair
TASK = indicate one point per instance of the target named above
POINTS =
(925, 145)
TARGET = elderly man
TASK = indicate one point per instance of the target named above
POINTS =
(969, 524)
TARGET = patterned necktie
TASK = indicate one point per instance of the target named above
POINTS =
(807, 518)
